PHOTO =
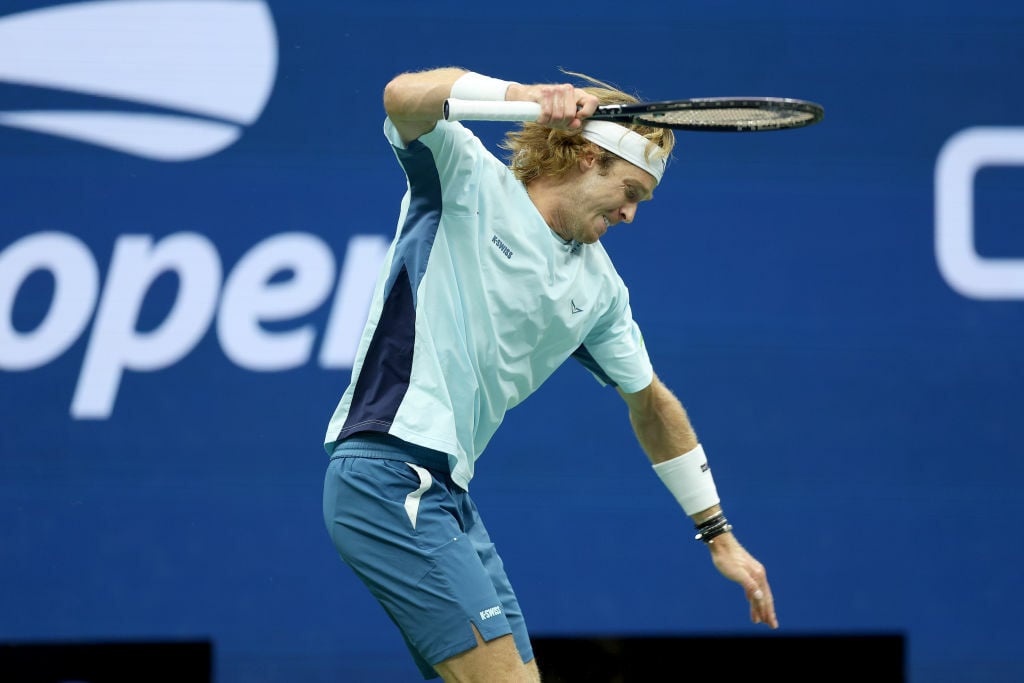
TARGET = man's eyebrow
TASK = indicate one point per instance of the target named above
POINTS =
(646, 194)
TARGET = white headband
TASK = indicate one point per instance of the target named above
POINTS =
(626, 143)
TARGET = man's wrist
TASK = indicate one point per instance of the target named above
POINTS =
(712, 528)
(704, 515)
(688, 477)
(474, 86)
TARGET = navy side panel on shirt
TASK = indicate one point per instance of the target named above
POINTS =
(379, 393)
(380, 390)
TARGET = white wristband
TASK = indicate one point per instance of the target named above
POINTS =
(689, 479)
(474, 86)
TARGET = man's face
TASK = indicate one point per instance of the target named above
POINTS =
(603, 197)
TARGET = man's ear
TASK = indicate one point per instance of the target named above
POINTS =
(587, 161)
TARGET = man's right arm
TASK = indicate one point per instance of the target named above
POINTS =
(414, 101)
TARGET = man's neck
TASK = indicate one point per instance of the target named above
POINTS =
(544, 194)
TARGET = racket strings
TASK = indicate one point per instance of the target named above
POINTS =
(738, 117)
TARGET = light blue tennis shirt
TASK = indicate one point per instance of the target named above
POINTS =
(478, 302)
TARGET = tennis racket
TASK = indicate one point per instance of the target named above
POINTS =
(712, 114)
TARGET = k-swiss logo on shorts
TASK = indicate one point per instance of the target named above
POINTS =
(491, 612)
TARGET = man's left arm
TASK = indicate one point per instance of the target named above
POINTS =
(666, 435)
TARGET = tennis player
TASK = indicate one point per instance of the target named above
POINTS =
(496, 276)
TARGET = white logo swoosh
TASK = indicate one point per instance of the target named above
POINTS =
(156, 136)
(215, 58)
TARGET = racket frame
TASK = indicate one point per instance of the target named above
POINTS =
(645, 113)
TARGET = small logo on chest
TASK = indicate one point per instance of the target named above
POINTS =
(502, 247)
(574, 308)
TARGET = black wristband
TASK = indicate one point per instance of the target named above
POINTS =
(712, 527)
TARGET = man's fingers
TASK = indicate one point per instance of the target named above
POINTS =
(762, 606)
(570, 104)
(560, 106)
(587, 105)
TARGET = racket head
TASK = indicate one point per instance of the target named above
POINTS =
(719, 114)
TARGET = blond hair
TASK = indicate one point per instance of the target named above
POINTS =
(536, 150)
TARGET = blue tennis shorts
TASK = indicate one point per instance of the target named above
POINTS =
(417, 541)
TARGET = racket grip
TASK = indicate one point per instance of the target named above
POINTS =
(486, 110)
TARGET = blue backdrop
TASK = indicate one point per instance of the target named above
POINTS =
(195, 198)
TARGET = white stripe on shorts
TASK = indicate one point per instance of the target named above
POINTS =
(412, 501)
